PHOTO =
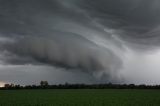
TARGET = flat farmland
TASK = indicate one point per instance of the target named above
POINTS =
(80, 97)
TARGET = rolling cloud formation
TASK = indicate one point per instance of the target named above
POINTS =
(90, 36)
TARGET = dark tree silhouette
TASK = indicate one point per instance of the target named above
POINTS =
(44, 84)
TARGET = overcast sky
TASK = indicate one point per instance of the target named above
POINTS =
(80, 41)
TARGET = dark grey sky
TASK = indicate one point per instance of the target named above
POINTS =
(84, 41)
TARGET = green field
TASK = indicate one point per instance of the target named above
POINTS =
(80, 97)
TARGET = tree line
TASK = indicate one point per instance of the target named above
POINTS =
(46, 85)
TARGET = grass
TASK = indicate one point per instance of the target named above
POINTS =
(80, 97)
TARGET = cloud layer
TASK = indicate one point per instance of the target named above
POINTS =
(88, 36)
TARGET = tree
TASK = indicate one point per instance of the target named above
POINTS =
(7, 85)
(44, 83)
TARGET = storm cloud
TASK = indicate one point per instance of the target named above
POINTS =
(99, 38)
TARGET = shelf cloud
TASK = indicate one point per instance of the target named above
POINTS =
(103, 39)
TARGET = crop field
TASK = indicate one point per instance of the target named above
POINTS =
(80, 97)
